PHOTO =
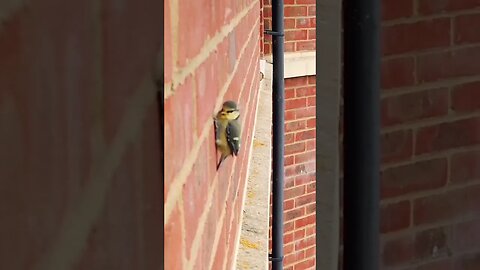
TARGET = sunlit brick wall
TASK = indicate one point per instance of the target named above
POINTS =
(212, 52)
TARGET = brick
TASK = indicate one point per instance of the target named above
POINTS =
(299, 234)
(305, 243)
(289, 160)
(305, 157)
(464, 30)
(295, 125)
(412, 178)
(434, 242)
(296, 82)
(294, 214)
(398, 251)
(289, 23)
(393, 9)
(311, 123)
(305, 2)
(310, 230)
(288, 226)
(426, 7)
(305, 135)
(293, 35)
(290, 176)
(464, 167)
(311, 144)
(396, 146)
(312, 34)
(451, 205)
(449, 135)
(310, 252)
(294, 192)
(449, 64)
(289, 46)
(294, 257)
(295, 11)
(304, 179)
(305, 199)
(394, 216)
(305, 221)
(295, 103)
(290, 115)
(294, 148)
(468, 262)
(305, 112)
(311, 80)
(192, 29)
(305, 22)
(466, 236)
(305, 168)
(311, 208)
(173, 236)
(311, 11)
(311, 101)
(307, 264)
(305, 91)
(289, 138)
(418, 36)
(466, 97)
(288, 204)
(414, 106)
(397, 72)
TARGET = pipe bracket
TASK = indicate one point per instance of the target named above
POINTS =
(276, 259)
(274, 33)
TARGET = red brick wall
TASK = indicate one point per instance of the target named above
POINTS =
(299, 205)
(79, 135)
(431, 135)
(299, 25)
(214, 51)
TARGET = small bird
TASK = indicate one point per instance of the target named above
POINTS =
(227, 130)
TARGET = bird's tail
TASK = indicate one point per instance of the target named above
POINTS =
(222, 158)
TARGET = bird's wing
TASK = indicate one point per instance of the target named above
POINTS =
(233, 136)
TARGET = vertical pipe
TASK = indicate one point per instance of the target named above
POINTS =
(278, 99)
(361, 137)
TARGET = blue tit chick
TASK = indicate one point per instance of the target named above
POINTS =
(227, 130)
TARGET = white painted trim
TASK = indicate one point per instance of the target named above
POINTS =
(297, 64)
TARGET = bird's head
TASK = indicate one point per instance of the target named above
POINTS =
(229, 111)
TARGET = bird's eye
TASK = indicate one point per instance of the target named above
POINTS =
(230, 111)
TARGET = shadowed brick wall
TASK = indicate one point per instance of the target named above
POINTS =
(430, 183)
(79, 138)
(212, 55)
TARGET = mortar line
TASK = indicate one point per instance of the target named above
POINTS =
(180, 178)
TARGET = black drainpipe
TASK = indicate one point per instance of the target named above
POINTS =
(278, 102)
(361, 137)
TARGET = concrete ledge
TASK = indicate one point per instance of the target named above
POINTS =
(297, 64)
(253, 247)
